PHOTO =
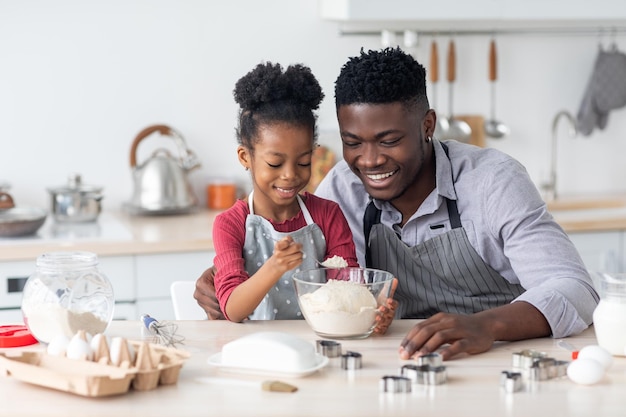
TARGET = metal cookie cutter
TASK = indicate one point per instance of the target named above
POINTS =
(425, 374)
(329, 348)
(351, 360)
(395, 384)
(547, 368)
(538, 366)
(526, 358)
(511, 381)
(432, 359)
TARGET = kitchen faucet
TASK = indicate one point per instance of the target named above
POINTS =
(550, 187)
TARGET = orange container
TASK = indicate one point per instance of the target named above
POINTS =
(221, 195)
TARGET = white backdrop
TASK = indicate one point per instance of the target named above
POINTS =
(79, 79)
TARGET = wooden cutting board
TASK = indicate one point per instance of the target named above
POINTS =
(477, 124)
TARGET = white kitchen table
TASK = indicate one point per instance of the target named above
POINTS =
(473, 387)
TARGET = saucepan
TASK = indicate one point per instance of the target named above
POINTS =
(19, 221)
(76, 202)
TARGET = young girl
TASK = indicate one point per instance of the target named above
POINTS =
(260, 242)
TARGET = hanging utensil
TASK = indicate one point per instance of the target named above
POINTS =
(442, 126)
(458, 129)
(493, 127)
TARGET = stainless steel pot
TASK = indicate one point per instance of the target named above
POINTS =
(76, 202)
(19, 221)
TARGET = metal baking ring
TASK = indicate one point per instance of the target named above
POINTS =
(395, 384)
(351, 360)
(436, 375)
(415, 373)
(329, 348)
(431, 359)
(511, 381)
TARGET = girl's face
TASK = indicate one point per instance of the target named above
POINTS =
(280, 166)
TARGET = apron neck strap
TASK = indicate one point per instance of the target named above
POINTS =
(305, 211)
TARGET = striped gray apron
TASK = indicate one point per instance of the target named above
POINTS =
(280, 303)
(444, 273)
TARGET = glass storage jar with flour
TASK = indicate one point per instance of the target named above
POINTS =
(67, 293)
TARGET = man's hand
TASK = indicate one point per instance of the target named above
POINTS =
(205, 295)
(456, 333)
(452, 334)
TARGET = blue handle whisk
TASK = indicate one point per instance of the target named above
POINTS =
(164, 332)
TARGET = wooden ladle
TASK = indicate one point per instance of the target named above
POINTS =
(458, 129)
(493, 127)
(442, 126)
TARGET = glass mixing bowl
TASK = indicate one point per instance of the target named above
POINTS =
(342, 303)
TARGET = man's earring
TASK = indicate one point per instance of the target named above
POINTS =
(428, 139)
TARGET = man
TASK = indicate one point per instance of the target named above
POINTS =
(464, 230)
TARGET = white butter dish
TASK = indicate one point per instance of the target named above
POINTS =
(269, 353)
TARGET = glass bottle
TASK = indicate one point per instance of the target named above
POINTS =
(609, 317)
(67, 293)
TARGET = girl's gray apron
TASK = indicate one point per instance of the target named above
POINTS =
(280, 303)
(441, 274)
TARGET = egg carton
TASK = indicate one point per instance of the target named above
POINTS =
(154, 365)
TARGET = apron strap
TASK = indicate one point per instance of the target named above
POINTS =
(371, 217)
(305, 212)
(453, 214)
(453, 210)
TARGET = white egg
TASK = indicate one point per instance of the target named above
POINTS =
(115, 351)
(585, 371)
(598, 353)
(78, 348)
(58, 345)
(95, 341)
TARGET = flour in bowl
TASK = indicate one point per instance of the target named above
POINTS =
(335, 262)
(340, 308)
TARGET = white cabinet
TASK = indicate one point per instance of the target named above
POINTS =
(601, 251)
(155, 274)
(13, 276)
(479, 15)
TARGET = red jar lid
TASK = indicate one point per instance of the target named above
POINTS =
(16, 336)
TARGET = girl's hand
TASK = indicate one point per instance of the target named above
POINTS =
(387, 311)
(287, 255)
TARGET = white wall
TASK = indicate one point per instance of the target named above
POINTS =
(79, 79)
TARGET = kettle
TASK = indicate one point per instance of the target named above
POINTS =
(160, 183)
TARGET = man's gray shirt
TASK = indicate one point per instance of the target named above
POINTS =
(506, 222)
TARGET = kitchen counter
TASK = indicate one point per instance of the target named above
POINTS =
(118, 233)
(472, 389)
(590, 213)
(591, 219)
